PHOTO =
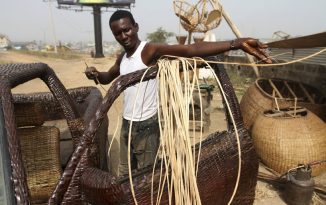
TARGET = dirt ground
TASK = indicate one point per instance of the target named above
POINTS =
(70, 72)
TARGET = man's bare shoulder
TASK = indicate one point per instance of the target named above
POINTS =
(120, 56)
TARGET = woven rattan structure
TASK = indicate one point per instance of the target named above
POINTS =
(29, 114)
(82, 180)
(202, 17)
(76, 106)
(284, 141)
(41, 153)
(217, 171)
(266, 94)
(40, 149)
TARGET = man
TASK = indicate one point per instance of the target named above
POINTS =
(138, 55)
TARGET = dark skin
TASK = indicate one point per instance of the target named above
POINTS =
(126, 33)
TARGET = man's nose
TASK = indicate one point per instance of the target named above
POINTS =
(123, 36)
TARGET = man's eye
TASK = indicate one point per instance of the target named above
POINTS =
(126, 30)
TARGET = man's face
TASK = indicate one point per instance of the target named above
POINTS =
(125, 33)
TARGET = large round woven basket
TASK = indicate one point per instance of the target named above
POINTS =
(283, 141)
(266, 94)
(255, 101)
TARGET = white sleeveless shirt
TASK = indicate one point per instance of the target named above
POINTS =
(146, 102)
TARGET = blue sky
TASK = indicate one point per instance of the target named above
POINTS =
(27, 20)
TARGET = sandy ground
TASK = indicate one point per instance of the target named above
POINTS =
(70, 72)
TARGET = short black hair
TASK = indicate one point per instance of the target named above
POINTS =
(119, 14)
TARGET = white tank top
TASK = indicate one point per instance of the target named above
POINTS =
(146, 102)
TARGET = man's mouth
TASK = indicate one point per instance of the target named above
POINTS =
(127, 43)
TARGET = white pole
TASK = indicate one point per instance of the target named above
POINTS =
(236, 32)
(52, 27)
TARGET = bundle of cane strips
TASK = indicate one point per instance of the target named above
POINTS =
(176, 151)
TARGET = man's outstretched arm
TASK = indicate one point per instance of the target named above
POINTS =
(204, 49)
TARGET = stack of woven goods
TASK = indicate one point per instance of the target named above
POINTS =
(286, 121)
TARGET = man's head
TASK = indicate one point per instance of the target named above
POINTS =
(125, 29)
(119, 14)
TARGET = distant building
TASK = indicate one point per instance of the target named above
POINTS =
(32, 46)
(27, 46)
(4, 42)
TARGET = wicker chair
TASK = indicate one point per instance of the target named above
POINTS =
(40, 149)
(74, 106)
(83, 183)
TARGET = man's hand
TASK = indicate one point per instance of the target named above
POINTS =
(253, 47)
(92, 74)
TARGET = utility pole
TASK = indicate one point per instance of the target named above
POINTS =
(52, 27)
(98, 32)
(237, 34)
(96, 5)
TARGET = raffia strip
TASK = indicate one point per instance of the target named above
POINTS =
(184, 191)
(255, 64)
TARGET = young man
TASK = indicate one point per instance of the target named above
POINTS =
(138, 55)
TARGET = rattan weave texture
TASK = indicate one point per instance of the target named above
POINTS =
(284, 142)
(217, 167)
(261, 96)
(255, 102)
(40, 149)
(82, 101)
(29, 114)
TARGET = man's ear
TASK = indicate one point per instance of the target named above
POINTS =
(136, 26)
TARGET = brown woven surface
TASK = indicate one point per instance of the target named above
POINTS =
(12, 75)
(81, 96)
(217, 166)
(68, 188)
(106, 193)
(40, 149)
(216, 175)
(284, 142)
(29, 114)
(18, 178)
(86, 100)
(259, 98)
(255, 102)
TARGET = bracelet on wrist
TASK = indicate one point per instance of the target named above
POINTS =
(232, 45)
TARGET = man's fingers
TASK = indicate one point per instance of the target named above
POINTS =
(256, 49)
(263, 46)
(262, 55)
(91, 72)
(89, 76)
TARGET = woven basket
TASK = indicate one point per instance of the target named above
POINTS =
(261, 96)
(40, 152)
(198, 39)
(201, 17)
(29, 114)
(181, 39)
(188, 14)
(283, 142)
(255, 101)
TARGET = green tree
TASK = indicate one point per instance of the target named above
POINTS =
(159, 36)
